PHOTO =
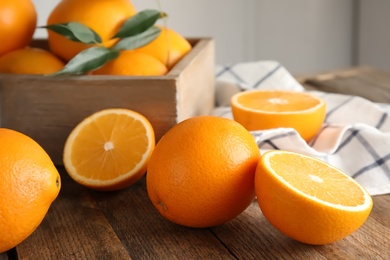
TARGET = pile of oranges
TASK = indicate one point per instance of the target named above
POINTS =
(18, 22)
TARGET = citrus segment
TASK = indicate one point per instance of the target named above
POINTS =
(110, 149)
(201, 173)
(29, 184)
(308, 199)
(267, 109)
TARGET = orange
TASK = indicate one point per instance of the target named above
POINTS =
(267, 109)
(18, 19)
(110, 149)
(131, 63)
(201, 173)
(308, 199)
(169, 47)
(30, 61)
(29, 184)
(105, 17)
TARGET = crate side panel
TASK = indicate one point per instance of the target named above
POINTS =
(196, 83)
(48, 109)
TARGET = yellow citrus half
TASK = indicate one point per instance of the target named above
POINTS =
(267, 109)
(308, 199)
(110, 149)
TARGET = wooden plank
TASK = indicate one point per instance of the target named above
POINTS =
(366, 82)
(196, 93)
(86, 224)
(74, 228)
(147, 235)
(250, 236)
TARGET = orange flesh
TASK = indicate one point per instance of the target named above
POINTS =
(322, 182)
(111, 144)
(275, 101)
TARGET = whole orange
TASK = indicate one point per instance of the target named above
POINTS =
(18, 19)
(29, 184)
(30, 61)
(169, 47)
(201, 173)
(105, 17)
(131, 63)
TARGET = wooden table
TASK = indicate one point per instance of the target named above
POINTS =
(86, 224)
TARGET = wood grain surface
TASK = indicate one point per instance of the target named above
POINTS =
(86, 224)
(369, 83)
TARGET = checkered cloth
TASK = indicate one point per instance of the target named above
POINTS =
(355, 136)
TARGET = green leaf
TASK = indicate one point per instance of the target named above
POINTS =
(139, 40)
(75, 31)
(139, 23)
(88, 60)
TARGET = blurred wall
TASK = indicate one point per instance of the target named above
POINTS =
(373, 40)
(306, 36)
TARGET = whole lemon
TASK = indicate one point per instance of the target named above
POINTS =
(29, 184)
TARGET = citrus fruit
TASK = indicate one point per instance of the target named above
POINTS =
(201, 173)
(18, 19)
(110, 149)
(267, 109)
(30, 61)
(29, 184)
(105, 17)
(131, 63)
(309, 200)
(169, 47)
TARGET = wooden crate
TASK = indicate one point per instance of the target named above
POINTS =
(48, 108)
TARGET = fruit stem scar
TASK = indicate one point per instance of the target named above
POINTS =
(316, 178)
(161, 204)
(279, 101)
(108, 146)
(58, 181)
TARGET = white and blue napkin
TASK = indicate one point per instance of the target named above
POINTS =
(355, 136)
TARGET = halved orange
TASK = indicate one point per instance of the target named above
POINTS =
(110, 149)
(267, 109)
(309, 200)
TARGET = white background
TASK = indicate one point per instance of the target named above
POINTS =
(306, 36)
